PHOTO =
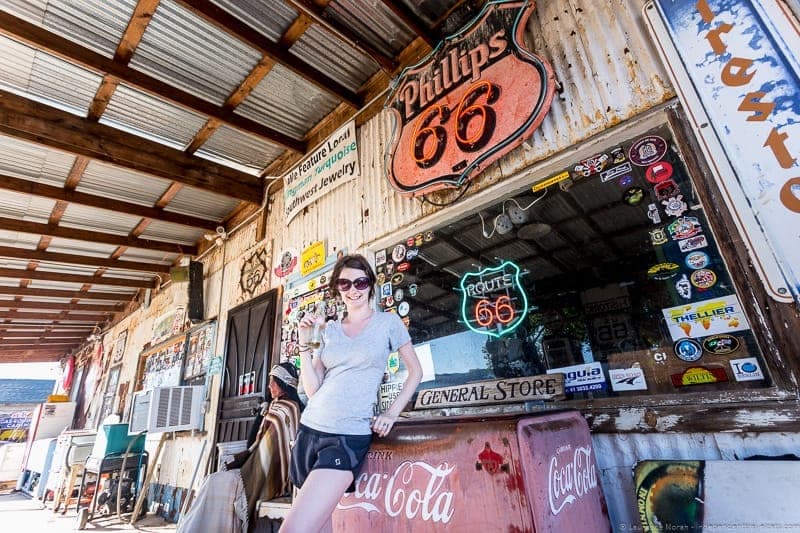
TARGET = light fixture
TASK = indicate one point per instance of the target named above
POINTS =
(503, 224)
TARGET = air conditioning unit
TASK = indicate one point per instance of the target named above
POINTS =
(167, 409)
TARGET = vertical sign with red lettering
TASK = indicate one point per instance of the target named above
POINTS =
(477, 96)
(741, 59)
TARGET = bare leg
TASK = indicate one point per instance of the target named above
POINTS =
(312, 508)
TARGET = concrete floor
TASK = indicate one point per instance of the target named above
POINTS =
(21, 513)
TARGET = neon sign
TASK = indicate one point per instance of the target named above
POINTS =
(493, 301)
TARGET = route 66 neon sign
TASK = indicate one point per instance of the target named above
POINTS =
(493, 301)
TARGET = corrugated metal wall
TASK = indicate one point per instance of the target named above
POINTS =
(608, 73)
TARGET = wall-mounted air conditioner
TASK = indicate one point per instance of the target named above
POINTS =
(167, 409)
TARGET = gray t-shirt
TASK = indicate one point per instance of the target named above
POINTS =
(354, 368)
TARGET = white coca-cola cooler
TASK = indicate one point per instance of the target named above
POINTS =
(536, 473)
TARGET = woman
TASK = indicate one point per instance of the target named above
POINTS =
(342, 381)
(226, 502)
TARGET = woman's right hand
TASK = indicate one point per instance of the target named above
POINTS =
(306, 325)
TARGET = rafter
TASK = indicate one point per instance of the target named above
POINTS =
(18, 304)
(61, 317)
(227, 22)
(58, 129)
(66, 335)
(57, 293)
(19, 273)
(42, 39)
(31, 356)
(87, 260)
(11, 224)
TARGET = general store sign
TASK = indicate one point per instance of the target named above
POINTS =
(332, 164)
(477, 96)
(532, 388)
(741, 59)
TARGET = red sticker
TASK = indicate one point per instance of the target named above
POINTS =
(658, 172)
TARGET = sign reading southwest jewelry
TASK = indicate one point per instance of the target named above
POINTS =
(741, 57)
(477, 96)
(332, 164)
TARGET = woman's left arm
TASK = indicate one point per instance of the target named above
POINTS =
(383, 423)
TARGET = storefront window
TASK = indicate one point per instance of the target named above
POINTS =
(608, 273)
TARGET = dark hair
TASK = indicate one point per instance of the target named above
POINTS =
(356, 261)
(291, 392)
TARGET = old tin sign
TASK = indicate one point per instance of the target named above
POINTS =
(736, 68)
(478, 95)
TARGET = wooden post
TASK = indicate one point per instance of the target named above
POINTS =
(151, 467)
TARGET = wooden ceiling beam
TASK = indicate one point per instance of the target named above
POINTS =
(41, 334)
(19, 273)
(87, 260)
(317, 13)
(18, 304)
(21, 345)
(57, 293)
(31, 356)
(48, 126)
(40, 38)
(227, 22)
(61, 317)
(10, 224)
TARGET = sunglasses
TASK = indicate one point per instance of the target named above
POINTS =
(344, 284)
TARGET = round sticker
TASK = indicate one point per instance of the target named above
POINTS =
(402, 267)
(697, 260)
(688, 350)
(721, 344)
(399, 295)
(624, 181)
(663, 271)
(399, 253)
(647, 150)
(389, 302)
(381, 278)
(658, 172)
(397, 279)
(403, 308)
(633, 196)
(703, 278)
(410, 241)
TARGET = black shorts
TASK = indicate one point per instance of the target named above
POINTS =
(316, 449)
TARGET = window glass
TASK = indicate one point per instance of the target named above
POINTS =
(608, 273)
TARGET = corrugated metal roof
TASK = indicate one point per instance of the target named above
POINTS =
(93, 219)
(95, 24)
(45, 78)
(286, 102)
(195, 202)
(26, 241)
(189, 53)
(72, 246)
(166, 231)
(328, 54)
(152, 256)
(380, 27)
(111, 181)
(26, 207)
(271, 19)
(239, 149)
(26, 160)
(154, 118)
(12, 262)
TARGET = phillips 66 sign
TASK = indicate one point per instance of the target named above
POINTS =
(478, 95)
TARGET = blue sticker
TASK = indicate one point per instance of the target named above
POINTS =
(688, 350)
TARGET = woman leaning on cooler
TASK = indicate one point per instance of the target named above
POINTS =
(342, 381)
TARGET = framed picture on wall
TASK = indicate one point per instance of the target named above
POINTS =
(118, 348)
(168, 324)
(199, 350)
(110, 394)
(163, 364)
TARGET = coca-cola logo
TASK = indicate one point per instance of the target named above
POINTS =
(570, 481)
(413, 490)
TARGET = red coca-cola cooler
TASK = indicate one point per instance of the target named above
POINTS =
(536, 473)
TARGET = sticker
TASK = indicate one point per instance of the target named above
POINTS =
(693, 243)
(633, 196)
(721, 344)
(688, 350)
(390, 310)
(399, 295)
(696, 260)
(592, 165)
(699, 375)
(403, 308)
(380, 258)
(397, 279)
(647, 150)
(412, 254)
(399, 253)
(663, 271)
(389, 301)
(625, 379)
(549, 181)
(386, 290)
(582, 378)
(684, 227)
(428, 236)
(393, 363)
(412, 290)
(707, 317)
(746, 369)
(389, 268)
(653, 214)
(406, 321)
(675, 206)
(617, 155)
(665, 189)
(658, 236)
(419, 238)
(703, 279)
(684, 288)
(658, 172)
(402, 267)
(381, 278)
(624, 181)
(410, 242)
(611, 173)
(285, 265)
